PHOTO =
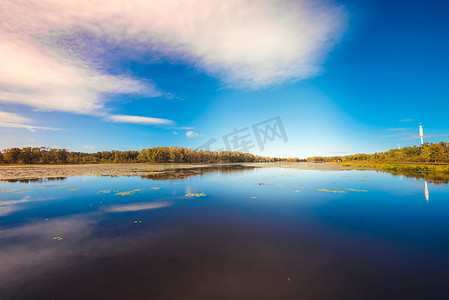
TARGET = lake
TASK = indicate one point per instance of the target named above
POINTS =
(226, 233)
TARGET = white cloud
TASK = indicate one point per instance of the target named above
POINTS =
(32, 76)
(89, 147)
(192, 134)
(13, 120)
(54, 53)
(35, 75)
(28, 127)
(138, 120)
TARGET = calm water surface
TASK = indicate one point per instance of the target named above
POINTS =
(264, 233)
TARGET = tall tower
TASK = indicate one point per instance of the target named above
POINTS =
(421, 133)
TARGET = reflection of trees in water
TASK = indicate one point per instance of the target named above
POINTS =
(183, 173)
(170, 174)
(433, 177)
(38, 180)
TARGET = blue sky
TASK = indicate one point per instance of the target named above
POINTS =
(343, 76)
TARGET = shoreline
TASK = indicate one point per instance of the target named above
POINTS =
(26, 172)
(400, 167)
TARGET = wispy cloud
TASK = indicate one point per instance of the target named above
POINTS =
(89, 147)
(13, 120)
(192, 134)
(36, 74)
(392, 135)
(397, 129)
(412, 137)
(406, 120)
(139, 120)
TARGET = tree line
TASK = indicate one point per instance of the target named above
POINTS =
(433, 152)
(45, 155)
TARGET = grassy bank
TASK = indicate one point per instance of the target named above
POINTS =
(401, 167)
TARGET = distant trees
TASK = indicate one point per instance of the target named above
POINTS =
(43, 155)
(12, 155)
(434, 152)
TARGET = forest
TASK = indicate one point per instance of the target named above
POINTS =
(44, 155)
(426, 153)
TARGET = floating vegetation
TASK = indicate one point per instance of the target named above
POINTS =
(104, 192)
(74, 189)
(127, 193)
(356, 190)
(297, 191)
(58, 238)
(64, 187)
(10, 191)
(135, 222)
(196, 195)
(155, 188)
(214, 180)
(253, 197)
(280, 185)
(330, 191)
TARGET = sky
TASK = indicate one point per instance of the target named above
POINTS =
(305, 77)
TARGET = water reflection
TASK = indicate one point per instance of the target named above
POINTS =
(228, 233)
(183, 173)
(36, 180)
(136, 206)
(432, 177)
